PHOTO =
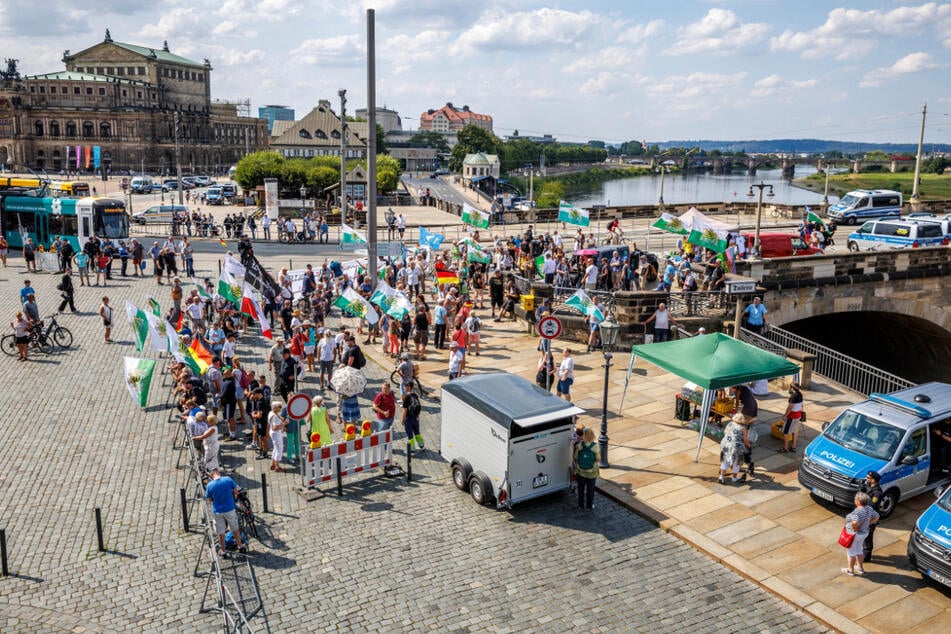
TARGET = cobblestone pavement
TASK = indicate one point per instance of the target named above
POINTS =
(387, 556)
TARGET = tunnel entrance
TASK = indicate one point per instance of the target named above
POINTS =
(910, 347)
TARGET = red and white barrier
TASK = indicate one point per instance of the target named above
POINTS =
(356, 456)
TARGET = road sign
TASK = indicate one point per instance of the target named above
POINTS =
(549, 327)
(298, 407)
(740, 287)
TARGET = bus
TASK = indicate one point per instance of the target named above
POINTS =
(75, 219)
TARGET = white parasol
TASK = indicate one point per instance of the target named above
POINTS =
(347, 381)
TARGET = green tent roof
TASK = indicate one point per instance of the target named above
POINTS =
(159, 54)
(715, 361)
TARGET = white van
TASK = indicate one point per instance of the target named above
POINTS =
(141, 185)
(865, 204)
(896, 234)
(161, 214)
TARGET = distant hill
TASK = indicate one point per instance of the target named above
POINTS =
(802, 146)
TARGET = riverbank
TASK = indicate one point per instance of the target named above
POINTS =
(933, 186)
(549, 190)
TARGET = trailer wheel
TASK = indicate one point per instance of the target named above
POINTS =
(480, 488)
(461, 470)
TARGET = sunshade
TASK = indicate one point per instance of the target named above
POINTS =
(586, 252)
(348, 381)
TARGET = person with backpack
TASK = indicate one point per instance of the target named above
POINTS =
(411, 411)
(472, 326)
(354, 356)
(587, 457)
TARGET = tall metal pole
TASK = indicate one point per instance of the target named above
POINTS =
(343, 153)
(825, 196)
(603, 438)
(759, 214)
(921, 141)
(660, 200)
(178, 162)
(371, 146)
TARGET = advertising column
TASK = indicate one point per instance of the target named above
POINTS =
(270, 198)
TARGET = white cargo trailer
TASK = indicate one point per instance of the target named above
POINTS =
(506, 439)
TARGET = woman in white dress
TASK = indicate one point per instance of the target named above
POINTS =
(276, 425)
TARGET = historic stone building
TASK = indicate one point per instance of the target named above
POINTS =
(125, 100)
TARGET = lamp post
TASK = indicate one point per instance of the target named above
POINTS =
(825, 196)
(660, 199)
(303, 205)
(608, 329)
(759, 210)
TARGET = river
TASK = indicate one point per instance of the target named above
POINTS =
(698, 187)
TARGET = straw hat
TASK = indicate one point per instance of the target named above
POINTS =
(740, 419)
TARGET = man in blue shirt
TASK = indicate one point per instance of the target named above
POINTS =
(222, 492)
(25, 291)
(439, 319)
(756, 315)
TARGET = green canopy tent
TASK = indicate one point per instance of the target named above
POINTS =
(713, 362)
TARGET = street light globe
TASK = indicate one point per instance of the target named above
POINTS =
(609, 330)
(749, 194)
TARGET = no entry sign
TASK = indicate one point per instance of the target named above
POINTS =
(298, 407)
(549, 327)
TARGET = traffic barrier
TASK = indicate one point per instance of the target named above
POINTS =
(348, 457)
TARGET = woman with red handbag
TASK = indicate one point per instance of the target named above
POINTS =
(854, 533)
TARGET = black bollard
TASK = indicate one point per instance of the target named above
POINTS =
(264, 491)
(184, 500)
(339, 479)
(409, 464)
(3, 552)
(102, 546)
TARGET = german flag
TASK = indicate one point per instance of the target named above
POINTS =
(200, 354)
(222, 242)
(447, 277)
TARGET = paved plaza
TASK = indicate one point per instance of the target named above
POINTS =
(388, 556)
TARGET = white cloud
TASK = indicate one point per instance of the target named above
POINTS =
(540, 29)
(851, 33)
(606, 58)
(406, 49)
(340, 51)
(253, 11)
(179, 22)
(912, 63)
(696, 91)
(720, 31)
(641, 32)
(610, 83)
(774, 84)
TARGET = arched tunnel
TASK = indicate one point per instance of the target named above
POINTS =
(910, 347)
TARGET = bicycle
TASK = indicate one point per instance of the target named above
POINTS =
(40, 339)
(247, 522)
(397, 379)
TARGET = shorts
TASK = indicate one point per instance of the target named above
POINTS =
(496, 301)
(791, 426)
(227, 410)
(421, 337)
(308, 350)
(473, 338)
(260, 426)
(224, 521)
(326, 367)
(594, 326)
(25, 339)
(564, 387)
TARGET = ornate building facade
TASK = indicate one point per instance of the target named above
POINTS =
(117, 106)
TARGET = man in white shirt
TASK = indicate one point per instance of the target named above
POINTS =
(195, 309)
(455, 360)
(266, 226)
(591, 276)
(473, 325)
(326, 348)
(412, 280)
(549, 268)
(662, 321)
(566, 375)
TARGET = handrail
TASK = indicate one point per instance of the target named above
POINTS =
(852, 373)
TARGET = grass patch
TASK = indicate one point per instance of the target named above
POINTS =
(933, 186)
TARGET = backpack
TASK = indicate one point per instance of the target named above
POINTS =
(413, 407)
(586, 456)
(359, 360)
(474, 326)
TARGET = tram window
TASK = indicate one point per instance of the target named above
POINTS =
(17, 220)
(65, 225)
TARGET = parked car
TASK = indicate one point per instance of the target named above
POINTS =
(930, 542)
(160, 214)
(780, 245)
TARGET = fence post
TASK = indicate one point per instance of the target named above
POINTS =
(184, 501)
(102, 546)
(3, 552)
(264, 492)
(339, 479)
(409, 464)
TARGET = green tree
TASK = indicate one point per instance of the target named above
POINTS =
(387, 173)
(597, 144)
(430, 138)
(320, 177)
(550, 194)
(876, 155)
(256, 166)
(472, 139)
(381, 140)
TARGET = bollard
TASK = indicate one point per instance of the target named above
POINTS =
(290, 263)
(102, 546)
(219, 267)
(3, 552)
(264, 491)
(184, 500)
(339, 479)
(409, 464)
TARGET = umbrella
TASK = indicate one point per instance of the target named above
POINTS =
(347, 381)
(586, 252)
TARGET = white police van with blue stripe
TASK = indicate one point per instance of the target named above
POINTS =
(876, 235)
(863, 204)
(929, 547)
(892, 434)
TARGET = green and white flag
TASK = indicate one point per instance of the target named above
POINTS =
(353, 303)
(671, 224)
(540, 264)
(573, 215)
(580, 301)
(474, 217)
(391, 301)
(478, 255)
(159, 333)
(229, 287)
(139, 322)
(811, 216)
(154, 305)
(707, 236)
(138, 378)
(349, 235)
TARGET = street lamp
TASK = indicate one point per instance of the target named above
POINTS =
(303, 201)
(759, 210)
(825, 196)
(608, 329)
(663, 170)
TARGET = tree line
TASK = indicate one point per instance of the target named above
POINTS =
(316, 173)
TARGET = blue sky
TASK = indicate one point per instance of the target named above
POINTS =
(611, 70)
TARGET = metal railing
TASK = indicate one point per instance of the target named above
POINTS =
(845, 370)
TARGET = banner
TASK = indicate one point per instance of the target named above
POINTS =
(670, 224)
(353, 303)
(79, 152)
(138, 378)
(707, 236)
(258, 277)
(474, 217)
(573, 215)
(158, 333)
(200, 356)
(139, 323)
(153, 305)
(250, 306)
(580, 301)
(229, 284)
(270, 198)
(88, 150)
(48, 261)
(96, 156)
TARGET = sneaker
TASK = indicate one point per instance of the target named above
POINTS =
(734, 480)
(243, 549)
(250, 445)
(720, 479)
(848, 572)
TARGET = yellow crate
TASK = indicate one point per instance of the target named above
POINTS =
(776, 430)
(528, 302)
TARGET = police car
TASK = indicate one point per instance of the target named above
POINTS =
(929, 547)
(897, 234)
(863, 204)
(893, 434)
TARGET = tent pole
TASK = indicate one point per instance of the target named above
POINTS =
(627, 379)
(704, 415)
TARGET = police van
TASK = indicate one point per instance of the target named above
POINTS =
(897, 234)
(929, 547)
(863, 204)
(893, 434)
(162, 214)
